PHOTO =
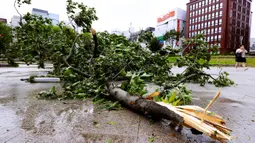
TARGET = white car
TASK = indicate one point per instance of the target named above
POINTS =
(252, 49)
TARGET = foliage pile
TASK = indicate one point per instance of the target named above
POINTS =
(86, 63)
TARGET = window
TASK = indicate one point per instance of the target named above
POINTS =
(219, 37)
(196, 5)
(213, 7)
(216, 30)
(208, 39)
(196, 12)
(203, 10)
(239, 8)
(199, 11)
(206, 9)
(202, 25)
(190, 15)
(206, 2)
(220, 21)
(195, 27)
(211, 38)
(212, 30)
(234, 5)
(190, 21)
(202, 18)
(209, 16)
(210, 1)
(198, 27)
(189, 34)
(219, 29)
(216, 14)
(199, 4)
(208, 31)
(205, 25)
(244, 2)
(248, 12)
(212, 23)
(205, 17)
(247, 19)
(238, 16)
(189, 28)
(203, 3)
(221, 5)
(216, 22)
(217, 0)
(204, 32)
(209, 24)
(234, 14)
(220, 13)
(190, 7)
(217, 6)
(212, 15)
(248, 4)
(243, 18)
(196, 19)
(215, 38)
(209, 8)
(199, 19)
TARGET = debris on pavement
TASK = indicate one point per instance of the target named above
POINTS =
(202, 120)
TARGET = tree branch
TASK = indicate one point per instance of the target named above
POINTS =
(72, 48)
(75, 69)
(18, 12)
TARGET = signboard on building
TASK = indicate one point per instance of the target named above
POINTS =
(166, 16)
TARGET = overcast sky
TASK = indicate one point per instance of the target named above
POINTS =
(112, 13)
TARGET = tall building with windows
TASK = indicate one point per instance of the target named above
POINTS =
(225, 23)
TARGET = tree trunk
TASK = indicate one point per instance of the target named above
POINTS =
(141, 105)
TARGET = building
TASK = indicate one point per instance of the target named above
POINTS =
(173, 20)
(15, 21)
(116, 31)
(46, 14)
(225, 23)
(54, 18)
(3, 20)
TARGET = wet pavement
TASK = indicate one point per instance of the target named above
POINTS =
(26, 119)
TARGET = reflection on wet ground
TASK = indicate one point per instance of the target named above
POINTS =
(24, 118)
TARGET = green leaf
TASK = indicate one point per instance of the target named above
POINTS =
(172, 98)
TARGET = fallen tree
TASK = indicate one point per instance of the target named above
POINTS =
(95, 60)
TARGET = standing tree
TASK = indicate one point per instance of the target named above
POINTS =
(6, 49)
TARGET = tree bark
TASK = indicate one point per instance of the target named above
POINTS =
(141, 105)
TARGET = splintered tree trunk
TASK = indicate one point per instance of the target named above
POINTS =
(142, 105)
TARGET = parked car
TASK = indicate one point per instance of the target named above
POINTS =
(252, 49)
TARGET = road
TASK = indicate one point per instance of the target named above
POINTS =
(24, 118)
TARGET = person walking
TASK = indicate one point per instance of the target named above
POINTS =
(240, 57)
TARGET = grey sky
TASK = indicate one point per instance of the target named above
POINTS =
(112, 13)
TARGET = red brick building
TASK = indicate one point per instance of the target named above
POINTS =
(225, 23)
(3, 20)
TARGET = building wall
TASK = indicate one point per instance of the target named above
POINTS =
(3, 20)
(221, 21)
(46, 14)
(40, 12)
(15, 21)
(54, 18)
